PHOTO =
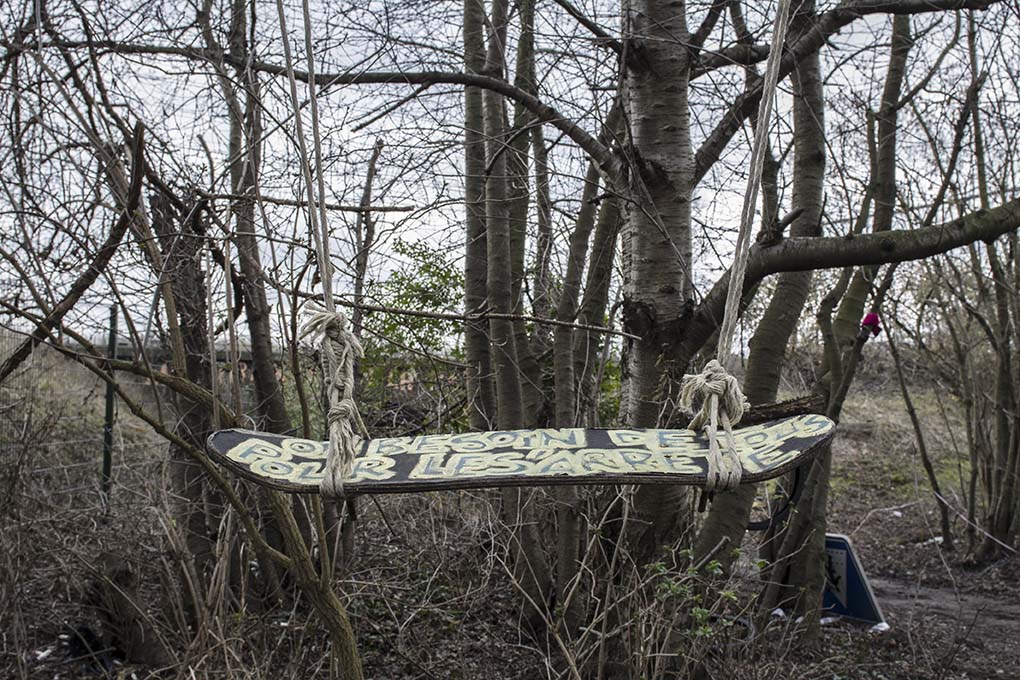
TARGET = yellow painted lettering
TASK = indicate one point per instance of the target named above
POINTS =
(675, 439)
(598, 460)
(309, 472)
(679, 462)
(429, 466)
(374, 468)
(506, 463)
(467, 464)
(389, 447)
(536, 455)
(562, 463)
(572, 438)
(467, 443)
(637, 460)
(257, 450)
(628, 437)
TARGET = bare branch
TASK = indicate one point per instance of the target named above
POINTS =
(94, 269)
(811, 253)
(608, 163)
(600, 33)
(825, 26)
(296, 203)
(472, 318)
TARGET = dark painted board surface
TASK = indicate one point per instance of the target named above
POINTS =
(520, 458)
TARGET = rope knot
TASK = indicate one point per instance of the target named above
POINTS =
(722, 401)
(334, 325)
(346, 409)
(339, 348)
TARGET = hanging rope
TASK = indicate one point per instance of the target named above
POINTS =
(339, 348)
(722, 401)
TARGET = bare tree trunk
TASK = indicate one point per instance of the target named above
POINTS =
(481, 389)
(364, 240)
(565, 346)
(966, 395)
(346, 663)
(194, 509)
(796, 576)
(657, 236)
(518, 206)
(241, 95)
(568, 515)
(542, 285)
(268, 394)
(1002, 477)
(592, 310)
(530, 568)
(244, 158)
(566, 362)
(498, 238)
(1001, 483)
(796, 573)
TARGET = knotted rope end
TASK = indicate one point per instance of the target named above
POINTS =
(338, 349)
(721, 402)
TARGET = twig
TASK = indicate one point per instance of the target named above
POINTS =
(710, 555)
(95, 267)
(471, 318)
(295, 203)
(875, 510)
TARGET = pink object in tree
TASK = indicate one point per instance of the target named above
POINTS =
(872, 323)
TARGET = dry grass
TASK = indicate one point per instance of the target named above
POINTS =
(430, 593)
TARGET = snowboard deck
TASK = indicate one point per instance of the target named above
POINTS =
(542, 457)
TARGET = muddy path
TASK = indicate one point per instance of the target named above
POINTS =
(902, 597)
(985, 629)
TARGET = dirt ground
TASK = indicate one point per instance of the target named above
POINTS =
(948, 618)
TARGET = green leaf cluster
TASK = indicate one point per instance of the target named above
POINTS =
(428, 281)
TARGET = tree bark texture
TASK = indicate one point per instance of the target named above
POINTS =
(518, 197)
(531, 570)
(181, 249)
(481, 388)
(657, 235)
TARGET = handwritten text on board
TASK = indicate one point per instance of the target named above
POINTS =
(526, 453)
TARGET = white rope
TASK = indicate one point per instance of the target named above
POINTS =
(316, 221)
(722, 401)
(339, 348)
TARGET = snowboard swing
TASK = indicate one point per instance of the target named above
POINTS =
(541, 457)
(352, 463)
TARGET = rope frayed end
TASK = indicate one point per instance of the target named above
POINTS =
(722, 402)
(339, 348)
